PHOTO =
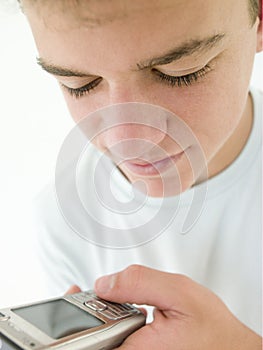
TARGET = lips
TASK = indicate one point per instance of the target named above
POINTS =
(152, 168)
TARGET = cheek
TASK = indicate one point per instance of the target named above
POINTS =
(210, 112)
(212, 108)
(78, 107)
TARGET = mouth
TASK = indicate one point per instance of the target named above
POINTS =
(153, 168)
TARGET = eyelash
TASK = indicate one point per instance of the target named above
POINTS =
(79, 92)
(186, 80)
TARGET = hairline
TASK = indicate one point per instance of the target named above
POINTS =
(254, 8)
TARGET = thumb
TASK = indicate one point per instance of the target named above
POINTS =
(142, 285)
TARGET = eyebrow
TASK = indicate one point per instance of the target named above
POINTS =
(184, 50)
(57, 70)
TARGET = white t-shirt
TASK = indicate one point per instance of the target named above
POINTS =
(221, 250)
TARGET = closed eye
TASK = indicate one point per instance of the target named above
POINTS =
(83, 90)
(179, 81)
(185, 80)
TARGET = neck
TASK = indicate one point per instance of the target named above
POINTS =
(236, 142)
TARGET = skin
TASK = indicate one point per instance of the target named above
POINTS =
(189, 317)
(217, 108)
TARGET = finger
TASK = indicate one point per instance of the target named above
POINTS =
(141, 285)
(144, 338)
(73, 289)
(143, 310)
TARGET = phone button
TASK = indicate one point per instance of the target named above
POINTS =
(111, 315)
(3, 317)
(95, 305)
(12, 325)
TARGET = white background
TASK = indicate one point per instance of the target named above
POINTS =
(34, 122)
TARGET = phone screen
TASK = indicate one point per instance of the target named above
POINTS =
(58, 318)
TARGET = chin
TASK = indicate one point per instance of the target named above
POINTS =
(162, 187)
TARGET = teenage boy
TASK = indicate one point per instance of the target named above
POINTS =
(193, 58)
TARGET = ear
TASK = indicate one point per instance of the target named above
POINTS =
(259, 29)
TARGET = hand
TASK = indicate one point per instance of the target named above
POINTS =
(73, 289)
(187, 316)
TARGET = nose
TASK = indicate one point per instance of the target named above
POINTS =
(130, 129)
(130, 140)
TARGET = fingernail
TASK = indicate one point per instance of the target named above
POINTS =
(105, 284)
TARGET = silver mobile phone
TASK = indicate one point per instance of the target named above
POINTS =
(80, 321)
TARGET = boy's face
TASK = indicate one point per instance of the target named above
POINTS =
(114, 56)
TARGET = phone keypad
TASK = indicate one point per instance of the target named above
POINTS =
(84, 296)
(95, 305)
(116, 311)
(113, 311)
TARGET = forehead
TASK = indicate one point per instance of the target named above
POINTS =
(97, 11)
(96, 31)
(92, 12)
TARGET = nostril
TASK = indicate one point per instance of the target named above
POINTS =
(132, 132)
(128, 128)
(130, 141)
